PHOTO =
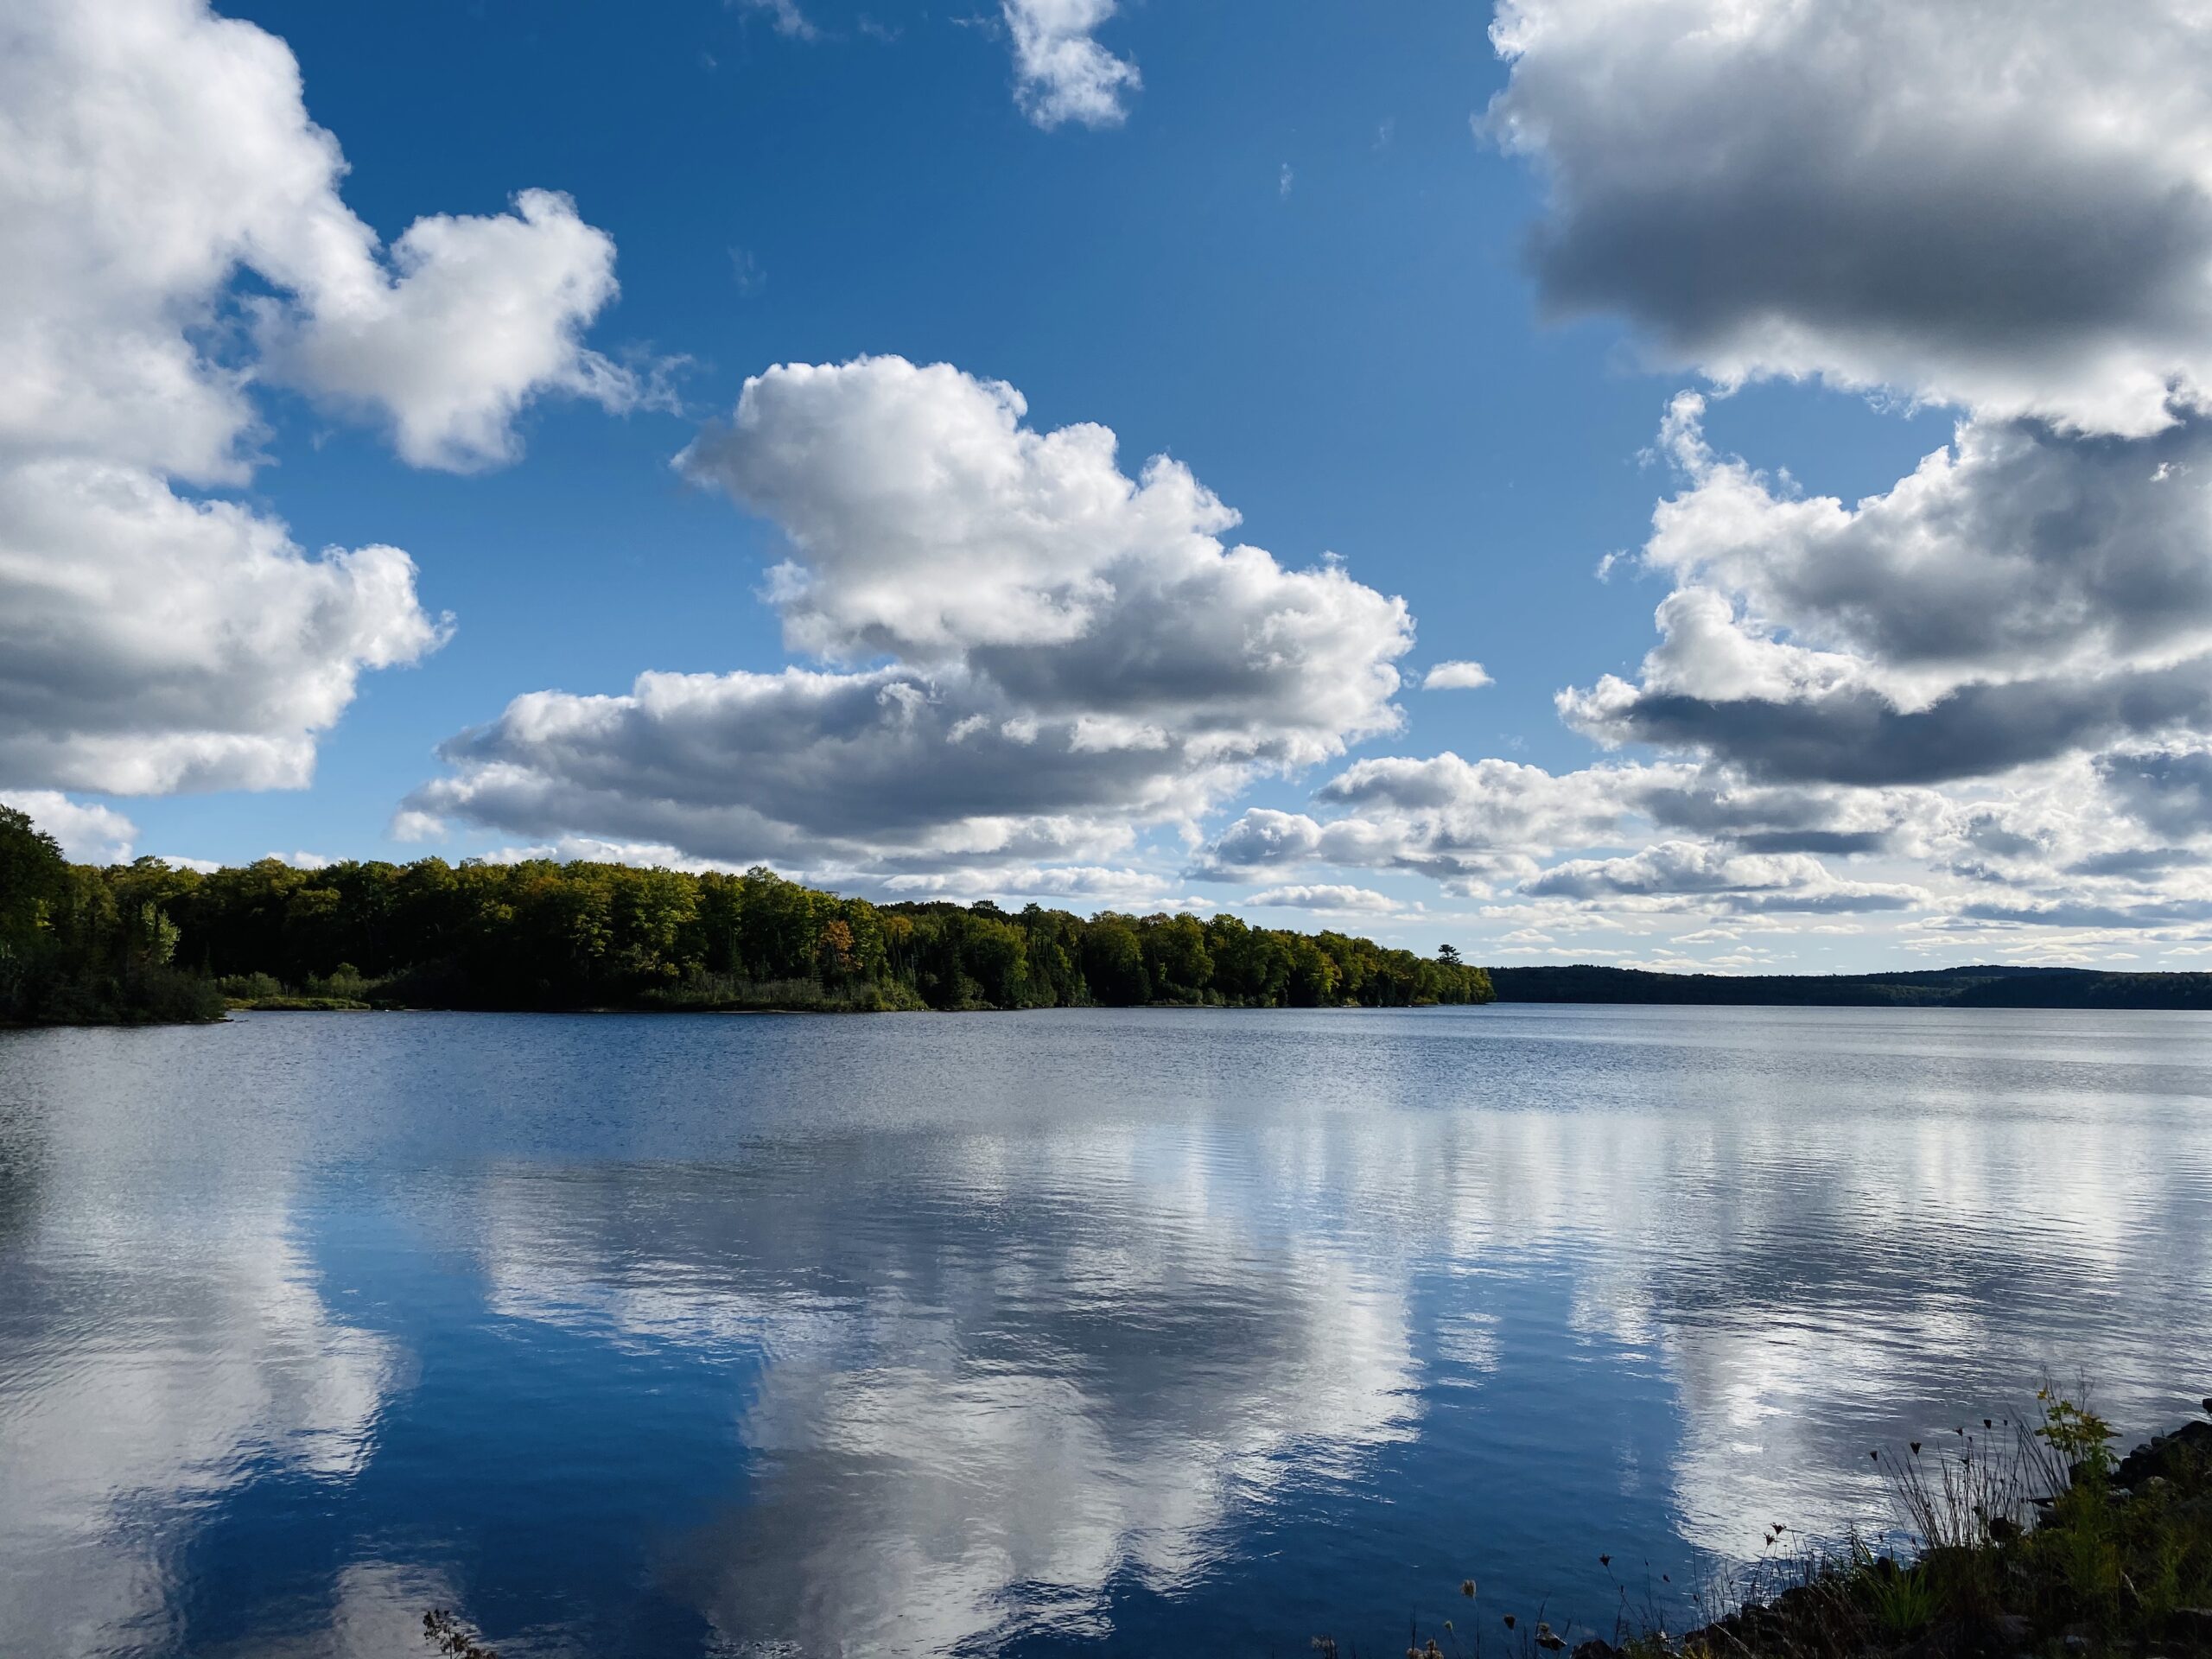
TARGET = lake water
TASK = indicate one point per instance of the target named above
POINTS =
(1141, 1331)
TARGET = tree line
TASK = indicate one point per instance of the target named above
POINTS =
(150, 940)
(1985, 986)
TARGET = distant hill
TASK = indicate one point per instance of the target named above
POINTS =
(1990, 986)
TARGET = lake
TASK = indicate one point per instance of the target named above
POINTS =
(1135, 1332)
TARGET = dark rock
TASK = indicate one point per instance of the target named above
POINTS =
(1596, 1648)
(2183, 1457)
(2191, 1626)
(1938, 1642)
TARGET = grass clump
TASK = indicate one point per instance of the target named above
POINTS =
(447, 1635)
(2028, 1539)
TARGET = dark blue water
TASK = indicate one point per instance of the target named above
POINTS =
(1138, 1332)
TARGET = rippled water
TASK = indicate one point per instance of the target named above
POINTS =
(1136, 1332)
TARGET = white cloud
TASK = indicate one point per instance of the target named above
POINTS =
(1074, 653)
(790, 22)
(1061, 73)
(178, 644)
(89, 834)
(1992, 681)
(152, 155)
(155, 150)
(1328, 898)
(2018, 597)
(1460, 822)
(204, 866)
(481, 315)
(1094, 884)
(1456, 676)
(2013, 213)
(1701, 871)
(408, 825)
(2005, 207)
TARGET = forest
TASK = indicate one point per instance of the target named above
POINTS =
(150, 941)
(1987, 986)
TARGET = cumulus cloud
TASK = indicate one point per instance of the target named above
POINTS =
(2005, 209)
(153, 158)
(2058, 846)
(1061, 72)
(1328, 898)
(2012, 547)
(2020, 595)
(1118, 887)
(155, 151)
(1986, 689)
(2168, 791)
(179, 644)
(1482, 825)
(408, 825)
(89, 834)
(1029, 654)
(1456, 676)
(1458, 821)
(184, 861)
(1743, 882)
(478, 316)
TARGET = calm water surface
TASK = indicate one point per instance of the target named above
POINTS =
(1064, 1333)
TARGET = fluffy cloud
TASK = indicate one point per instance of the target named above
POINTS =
(181, 645)
(1702, 872)
(2050, 858)
(153, 151)
(1988, 687)
(478, 316)
(1476, 824)
(1456, 676)
(1461, 822)
(88, 834)
(2018, 596)
(151, 156)
(1062, 73)
(1997, 674)
(1072, 652)
(2168, 791)
(2012, 547)
(1328, 898)
(2005, 207)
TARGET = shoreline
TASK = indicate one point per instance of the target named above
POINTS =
(2021, 1539)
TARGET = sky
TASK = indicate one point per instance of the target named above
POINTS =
(1682, 483)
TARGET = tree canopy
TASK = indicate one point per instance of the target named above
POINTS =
(545, 935)
(80, 945)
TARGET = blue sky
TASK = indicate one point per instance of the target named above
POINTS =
(1282, 246)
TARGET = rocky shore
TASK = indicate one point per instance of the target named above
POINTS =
(2048, 1547)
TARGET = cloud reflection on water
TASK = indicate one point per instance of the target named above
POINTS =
(1002, 1370)
(1525, 1279)
(981, 1400)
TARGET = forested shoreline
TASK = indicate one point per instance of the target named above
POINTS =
(1985, 986)
(150, 941)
